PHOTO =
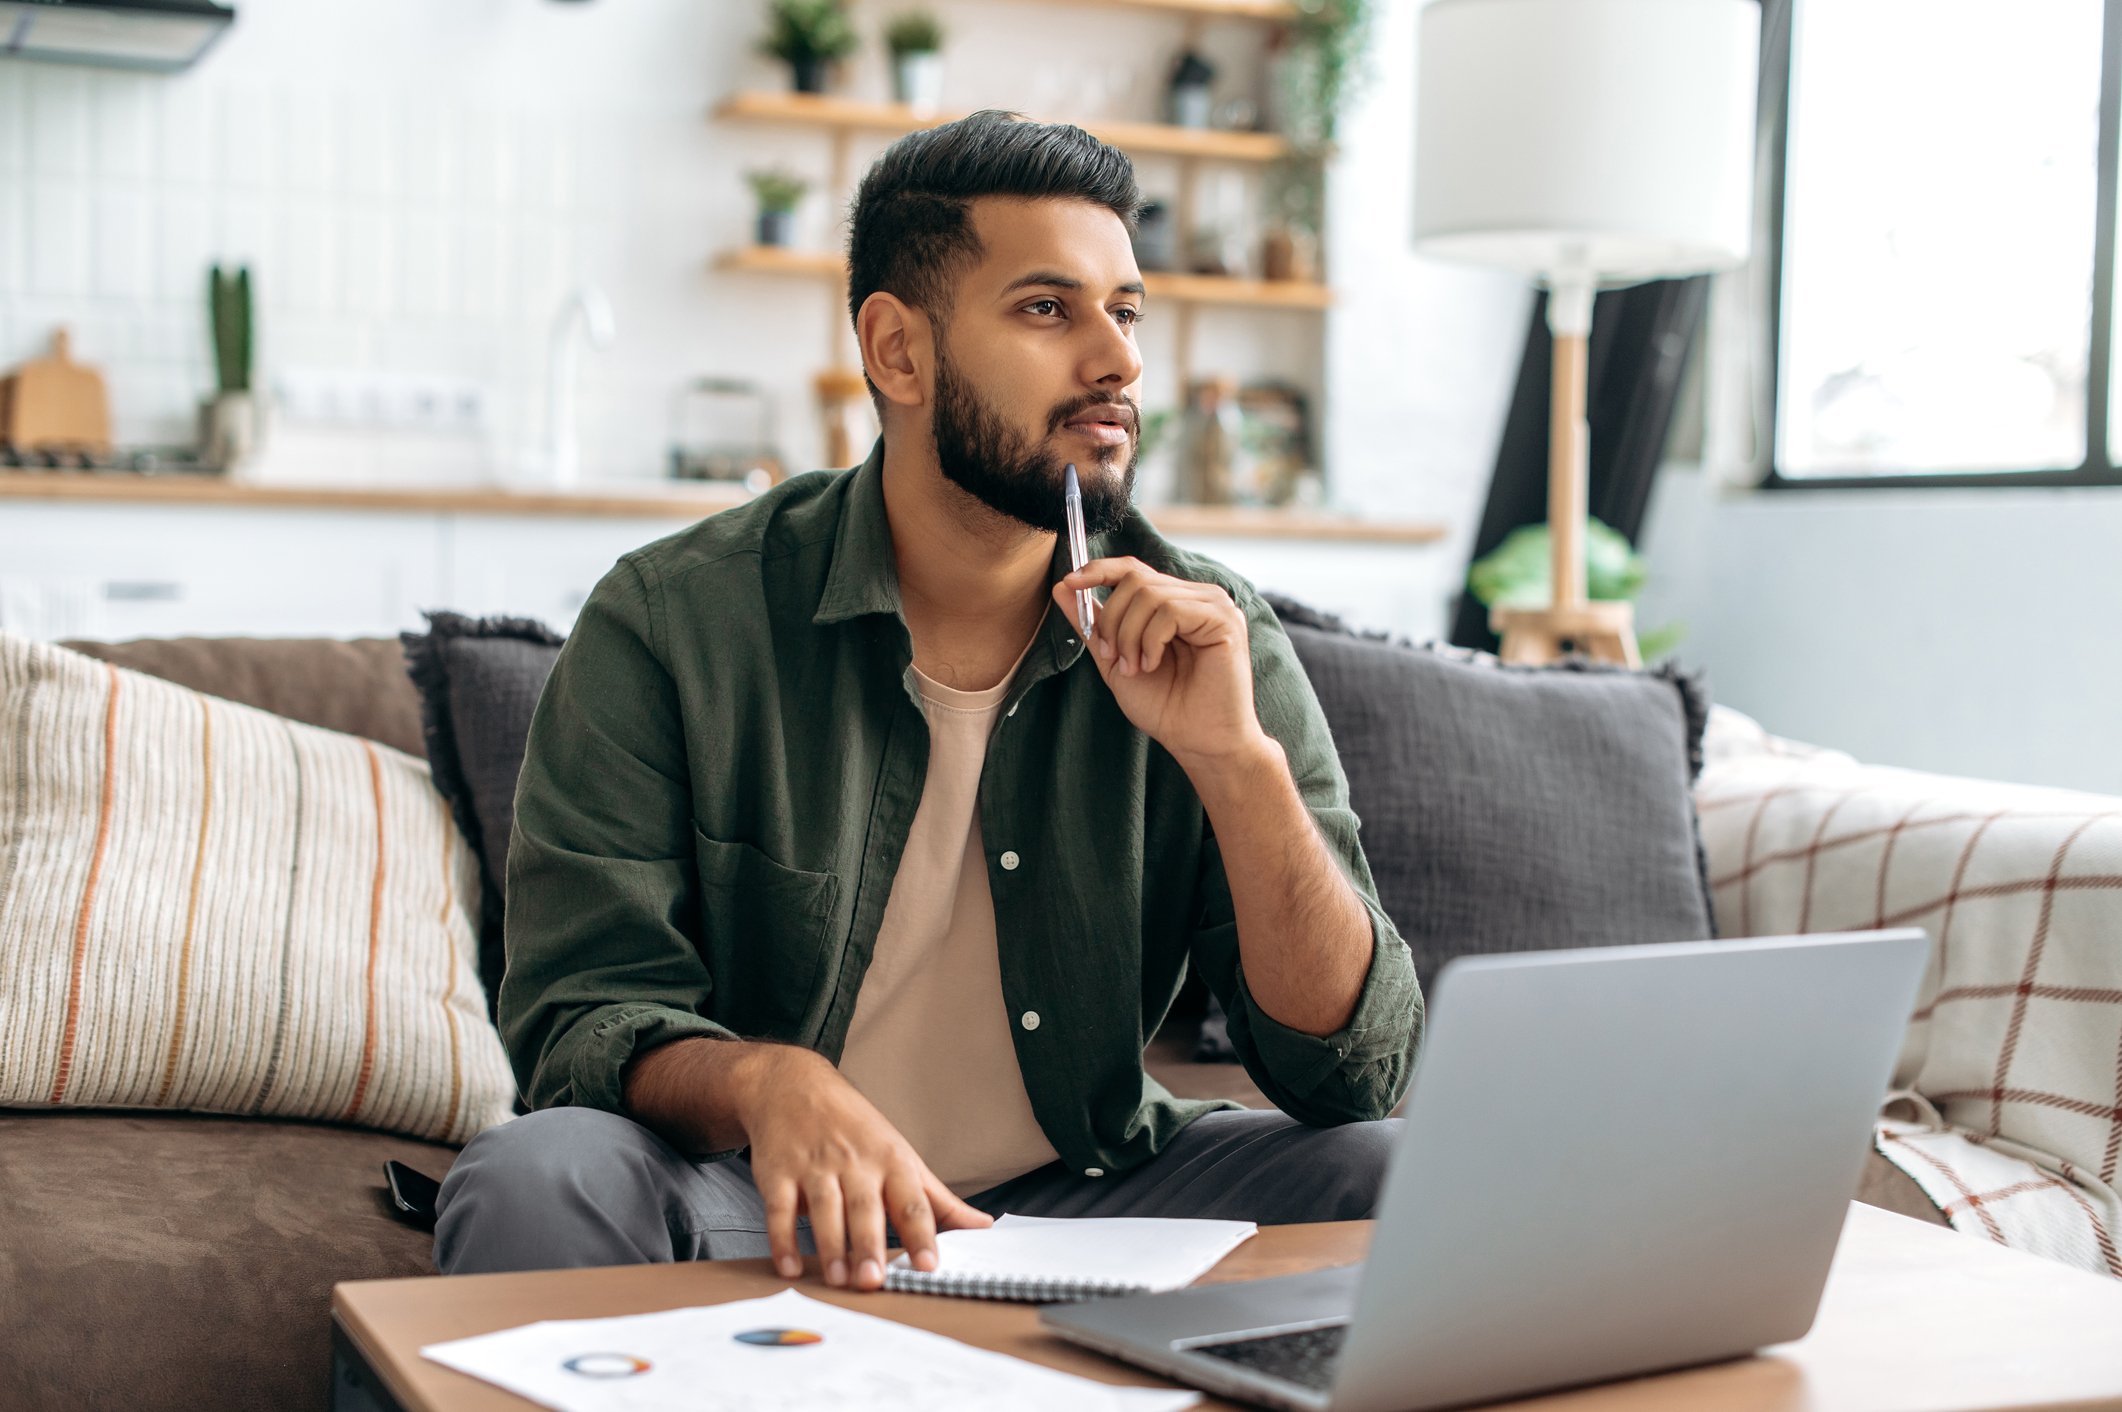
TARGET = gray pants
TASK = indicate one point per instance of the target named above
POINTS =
(578, 1186)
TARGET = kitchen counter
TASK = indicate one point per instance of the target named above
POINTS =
(652, 500)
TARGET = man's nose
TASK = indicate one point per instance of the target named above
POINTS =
(1114, 362)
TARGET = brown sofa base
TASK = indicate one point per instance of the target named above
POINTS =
(173, 1261)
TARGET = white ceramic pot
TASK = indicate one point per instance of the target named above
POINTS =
(917, 81)
(228, 431)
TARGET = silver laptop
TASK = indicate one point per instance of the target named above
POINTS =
(1614, 1161)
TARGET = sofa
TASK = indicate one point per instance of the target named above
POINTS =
(166, 1260)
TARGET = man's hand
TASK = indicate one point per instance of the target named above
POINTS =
(1177, 657)
(818, 1147)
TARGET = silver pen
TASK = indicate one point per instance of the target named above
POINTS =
(1078, 550)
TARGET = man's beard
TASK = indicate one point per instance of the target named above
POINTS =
(985, 457)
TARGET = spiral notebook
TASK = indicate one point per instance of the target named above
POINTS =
(1048, 1261)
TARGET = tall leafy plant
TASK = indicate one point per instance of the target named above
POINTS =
(1326, 67)
(228, 301)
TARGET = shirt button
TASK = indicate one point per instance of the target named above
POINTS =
(1010, 861)
(1093, 1171)
(1029, 1019)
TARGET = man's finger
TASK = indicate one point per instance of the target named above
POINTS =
(1113, 619)
(911, 1217)
(865, 1232)
(1157, 634)
(780, 1196)
(951, 1213)
(1100, 572)
(828, 1225)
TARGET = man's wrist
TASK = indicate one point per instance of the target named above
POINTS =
(1230, 773)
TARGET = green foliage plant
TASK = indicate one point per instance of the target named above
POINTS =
(808, 31)
(1328, 67)
(914, 32)
(776, 188)
(1519, 573)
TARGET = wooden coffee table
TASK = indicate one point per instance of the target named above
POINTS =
(1915, 1317)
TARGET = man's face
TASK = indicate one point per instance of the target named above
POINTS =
(1036, 366)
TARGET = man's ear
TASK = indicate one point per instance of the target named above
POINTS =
(898, 348)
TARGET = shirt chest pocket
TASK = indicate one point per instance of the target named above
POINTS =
(765, 929)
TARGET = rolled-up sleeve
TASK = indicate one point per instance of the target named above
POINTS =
(602, 890)
(1360, 1071)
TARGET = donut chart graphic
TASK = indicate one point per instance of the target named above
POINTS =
(780, 1338)
(606, 1365)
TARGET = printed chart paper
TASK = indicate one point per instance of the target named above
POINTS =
(778, 1354)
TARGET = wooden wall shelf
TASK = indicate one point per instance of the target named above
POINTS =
(1193, 289)
(674, 501)
(1275, 11)
(826, 110)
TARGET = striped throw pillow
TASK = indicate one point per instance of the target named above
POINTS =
(205, 906)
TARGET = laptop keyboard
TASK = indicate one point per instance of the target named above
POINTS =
(1305, 1358)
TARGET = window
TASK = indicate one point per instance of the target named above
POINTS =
(1946, 184)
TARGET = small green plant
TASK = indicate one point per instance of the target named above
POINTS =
(1519, 573)
(914, 32)
(1330, 40)
(808, 32)
(228, 308)
(776, 188)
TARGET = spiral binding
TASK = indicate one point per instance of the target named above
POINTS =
(1028, 1289)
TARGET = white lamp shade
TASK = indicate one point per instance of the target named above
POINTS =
(1587, 139)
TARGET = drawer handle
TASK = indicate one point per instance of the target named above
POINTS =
(143, 591)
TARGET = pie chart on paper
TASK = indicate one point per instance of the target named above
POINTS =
(780, 1338)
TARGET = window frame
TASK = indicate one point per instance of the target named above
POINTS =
(2099, 467)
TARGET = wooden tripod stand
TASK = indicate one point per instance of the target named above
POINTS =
(1605, 630)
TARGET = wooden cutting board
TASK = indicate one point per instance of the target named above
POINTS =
(54, 403)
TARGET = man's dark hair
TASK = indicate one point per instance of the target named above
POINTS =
(911, 233)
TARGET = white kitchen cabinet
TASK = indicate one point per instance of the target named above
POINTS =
(367, 565)
(123, 571)
(533, 567)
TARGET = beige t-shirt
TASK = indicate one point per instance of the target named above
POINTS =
(930, 1042)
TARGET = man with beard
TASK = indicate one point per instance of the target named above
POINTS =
(848, 880)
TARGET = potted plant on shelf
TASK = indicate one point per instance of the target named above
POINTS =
(228, 421)
(777, 191)
(1316, 66)
(810, 36)
(915, 40)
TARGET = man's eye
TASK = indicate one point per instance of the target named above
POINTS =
(1128, 315)
(1043, 306)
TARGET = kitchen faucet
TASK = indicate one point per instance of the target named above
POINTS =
(588, 308)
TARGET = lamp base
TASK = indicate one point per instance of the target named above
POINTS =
(1604, 630)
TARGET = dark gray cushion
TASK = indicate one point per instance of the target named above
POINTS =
(1510, 808)
(479, 680)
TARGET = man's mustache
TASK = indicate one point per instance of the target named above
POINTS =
(1129, 415)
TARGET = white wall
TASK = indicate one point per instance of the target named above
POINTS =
(1974, 632)
(418, 186)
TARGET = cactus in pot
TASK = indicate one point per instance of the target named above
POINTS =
(228, 421)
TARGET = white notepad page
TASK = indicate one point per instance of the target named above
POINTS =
(1146, 1252)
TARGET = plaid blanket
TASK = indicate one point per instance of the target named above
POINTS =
(2007, 1099)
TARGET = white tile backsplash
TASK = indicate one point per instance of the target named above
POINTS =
(417, 186)
(59, 237)
(58, 127)
(14, 119)
(123, 112)
(123, 223)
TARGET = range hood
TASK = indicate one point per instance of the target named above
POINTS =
(161, 36)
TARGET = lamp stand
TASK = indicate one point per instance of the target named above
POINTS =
(1606, 629)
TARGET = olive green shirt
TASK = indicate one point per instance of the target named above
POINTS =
(720, 778)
